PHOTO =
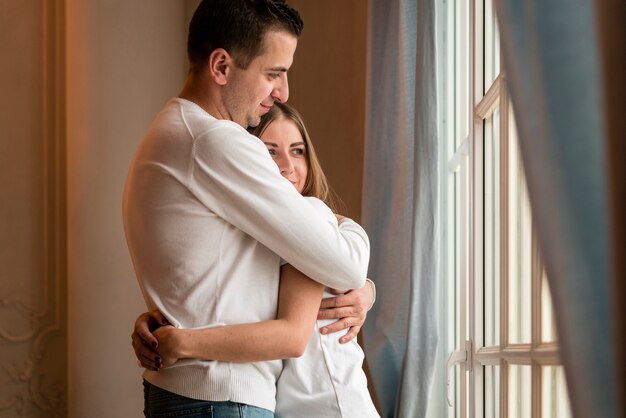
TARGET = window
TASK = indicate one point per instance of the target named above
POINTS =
(500, 327)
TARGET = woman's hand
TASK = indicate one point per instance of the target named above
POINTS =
(350, 308)
(144, 342)
(169, 341)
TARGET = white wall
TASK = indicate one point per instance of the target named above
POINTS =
(124, 60)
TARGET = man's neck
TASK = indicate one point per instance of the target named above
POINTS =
(198, 91)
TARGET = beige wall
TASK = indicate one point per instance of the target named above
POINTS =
(327, 86)
(33, 338)
(82, 81)
(124, 60)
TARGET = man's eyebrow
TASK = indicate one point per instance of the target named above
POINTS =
(278, 69)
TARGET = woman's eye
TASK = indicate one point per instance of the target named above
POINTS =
(272, 152)
(298, 151)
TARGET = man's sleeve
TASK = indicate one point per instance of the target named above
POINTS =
(234, 176)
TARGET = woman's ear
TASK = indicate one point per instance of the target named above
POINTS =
(220, 63)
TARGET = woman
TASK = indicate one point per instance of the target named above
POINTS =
(328, 380)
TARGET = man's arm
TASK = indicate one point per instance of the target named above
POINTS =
(349, 308)
(256, 199)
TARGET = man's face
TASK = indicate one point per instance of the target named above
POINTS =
(251, 92)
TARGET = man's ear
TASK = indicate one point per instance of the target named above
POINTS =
(219, 66)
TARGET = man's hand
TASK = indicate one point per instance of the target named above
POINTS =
(350, 308)
(144, 342)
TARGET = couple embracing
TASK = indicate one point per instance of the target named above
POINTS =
(234, 241)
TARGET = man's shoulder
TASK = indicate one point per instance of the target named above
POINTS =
(207, 137)
(197, 121)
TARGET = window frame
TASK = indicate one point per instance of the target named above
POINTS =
(465, 269)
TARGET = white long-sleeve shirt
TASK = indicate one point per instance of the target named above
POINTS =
(207, 217)
(328, 381)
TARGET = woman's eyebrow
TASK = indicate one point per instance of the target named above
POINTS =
(296, 144)
(271, 144)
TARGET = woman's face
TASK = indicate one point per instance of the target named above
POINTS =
(287, 148)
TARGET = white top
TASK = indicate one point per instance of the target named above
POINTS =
(207, 217)
(328, 380)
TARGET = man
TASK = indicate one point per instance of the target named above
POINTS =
(208, 216)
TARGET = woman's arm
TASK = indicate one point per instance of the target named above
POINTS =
(284, 337)
(350, 309)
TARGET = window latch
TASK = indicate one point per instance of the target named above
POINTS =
(457, 357)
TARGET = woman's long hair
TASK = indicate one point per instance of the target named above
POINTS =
(316, 184)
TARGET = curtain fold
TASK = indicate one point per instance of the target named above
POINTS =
(611, 21)
(400, 204)
(553, 73)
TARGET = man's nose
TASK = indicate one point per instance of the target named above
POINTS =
(281, 90)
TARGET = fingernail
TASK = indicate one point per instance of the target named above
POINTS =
(323, 331)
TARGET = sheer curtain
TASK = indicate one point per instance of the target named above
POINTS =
(400, 203)
(551, 57)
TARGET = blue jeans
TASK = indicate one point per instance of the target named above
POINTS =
(160, 403)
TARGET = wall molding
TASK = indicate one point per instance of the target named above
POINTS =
(36, 391)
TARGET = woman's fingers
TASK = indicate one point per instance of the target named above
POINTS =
(144, 342)
(148, 363)
(158, 317)
(147, 355)
(148, 322)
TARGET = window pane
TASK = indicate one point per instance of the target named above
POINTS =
(492, 391)
(492, 45)
(462, 71)
(554, 399)
(492, 230)
(519, 402)
(548, 326)
(520, 254)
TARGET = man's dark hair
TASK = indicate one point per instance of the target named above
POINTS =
(238, 26)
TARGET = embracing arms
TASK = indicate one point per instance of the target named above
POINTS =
(284, 337)
(257, 200)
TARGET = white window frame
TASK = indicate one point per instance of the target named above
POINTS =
(464, 268)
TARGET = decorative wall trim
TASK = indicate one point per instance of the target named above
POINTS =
(37, 392)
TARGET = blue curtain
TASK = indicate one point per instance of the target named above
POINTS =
(553, 72)
(611, 18)
(400, 204)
